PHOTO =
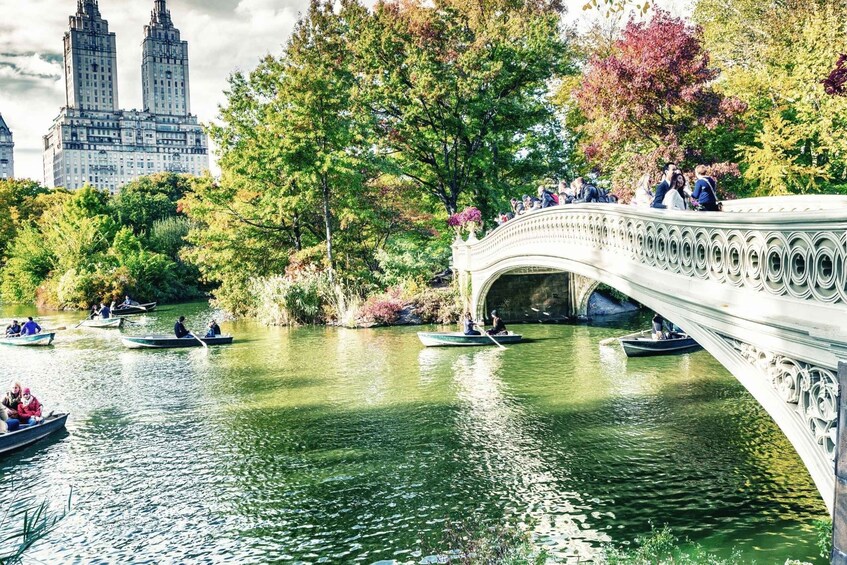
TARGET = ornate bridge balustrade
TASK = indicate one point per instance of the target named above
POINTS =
(762, 286)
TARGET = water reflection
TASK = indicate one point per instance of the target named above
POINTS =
(502, 441)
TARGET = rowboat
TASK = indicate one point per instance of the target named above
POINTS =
(171, 342)
(26, 435)
(454, 339)
(642, 344)
(45, 338)
(101, 323)
(131, 310)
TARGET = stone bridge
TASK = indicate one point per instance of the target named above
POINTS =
(762, 286)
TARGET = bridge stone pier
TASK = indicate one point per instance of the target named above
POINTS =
(762, 286)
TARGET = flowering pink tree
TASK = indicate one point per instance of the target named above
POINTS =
(469, 219)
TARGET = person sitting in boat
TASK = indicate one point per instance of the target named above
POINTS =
(469, 324)
(180, 330)
(30, 327)
(498, 327)
(658, 329)
(214, 329)
(14, 329)
(29, 410)
(128, 302)
(11, 401)
(104, 311)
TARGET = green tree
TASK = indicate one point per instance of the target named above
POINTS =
(322, 141)
(459, 93)
(17, 206)
(146, 200)
(774, 56)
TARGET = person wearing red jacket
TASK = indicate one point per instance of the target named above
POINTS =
(29, 410)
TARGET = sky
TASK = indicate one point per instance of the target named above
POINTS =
(223, 36)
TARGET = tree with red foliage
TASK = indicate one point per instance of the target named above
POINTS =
(836, 83)
(650, 99)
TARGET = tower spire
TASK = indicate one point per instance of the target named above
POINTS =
(161, 15)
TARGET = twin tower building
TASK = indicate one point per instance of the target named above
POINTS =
(94, 142)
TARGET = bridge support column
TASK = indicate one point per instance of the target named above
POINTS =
(580, 290)
(839, 513)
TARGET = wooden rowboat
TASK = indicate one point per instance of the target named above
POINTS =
(642, 344)
(27, 435)
(171, 342)
(132, 310)
(455, 339)
(101, 323)
(44, 338)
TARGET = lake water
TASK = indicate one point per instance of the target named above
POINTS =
(335, 445)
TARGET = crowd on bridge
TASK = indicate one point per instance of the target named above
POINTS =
(676, 191)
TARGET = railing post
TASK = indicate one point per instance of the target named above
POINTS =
(839, 512)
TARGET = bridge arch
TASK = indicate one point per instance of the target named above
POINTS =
(763, 289)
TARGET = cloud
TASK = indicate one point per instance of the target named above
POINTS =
(223, 36)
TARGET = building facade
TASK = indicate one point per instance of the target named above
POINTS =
(7, 151)
(92, 141)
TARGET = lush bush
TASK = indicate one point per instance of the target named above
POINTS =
(74, 252)
(823, 530)
(382, 309)
(662, 547)
(438, 305)
(288, 300)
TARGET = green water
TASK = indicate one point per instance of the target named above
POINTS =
(334, 445)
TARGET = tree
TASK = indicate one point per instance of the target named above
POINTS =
(459, 93)
(146, 200)
(776, 57)
(651, 99)
(322, 141)
(17, 207)
(73, 251)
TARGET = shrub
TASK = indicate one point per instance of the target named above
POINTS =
(438, 305)
(286, 300)
(383, 309)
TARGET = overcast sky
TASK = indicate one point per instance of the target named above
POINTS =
(223, 36)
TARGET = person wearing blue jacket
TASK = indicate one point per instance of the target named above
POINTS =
(705, 190)
(30, 327)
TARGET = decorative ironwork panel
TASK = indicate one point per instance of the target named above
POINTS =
(814, 390)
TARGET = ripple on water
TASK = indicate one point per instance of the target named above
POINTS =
(322, 445)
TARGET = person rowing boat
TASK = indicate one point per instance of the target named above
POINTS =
(180, 330)
(30, 327)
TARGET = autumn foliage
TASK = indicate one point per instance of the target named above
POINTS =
(645, 100)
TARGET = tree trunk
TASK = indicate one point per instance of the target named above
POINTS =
(328, 224)
(298, 234)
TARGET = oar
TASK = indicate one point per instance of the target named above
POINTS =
(497, 343)
(203, 343)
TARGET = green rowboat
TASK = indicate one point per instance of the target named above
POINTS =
(456, 339)
(171, 342)
(27, 340)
